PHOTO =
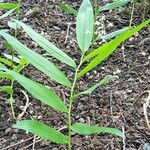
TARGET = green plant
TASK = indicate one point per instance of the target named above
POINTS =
(84, 32)
(14, 63)
(99, 10)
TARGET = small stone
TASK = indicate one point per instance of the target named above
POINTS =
(81, 120)
(143, 54)
(7, 130)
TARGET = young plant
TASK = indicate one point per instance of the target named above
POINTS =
(84, 33)
(14, 63)
(11, 7)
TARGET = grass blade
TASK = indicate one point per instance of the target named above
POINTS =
(101, 83)
(37, 60)
(9, 5)
(105, 50)
(85, 129)
(7, 13)
(46, 45)
(39, 91)
(113, 5)
(42, 131)
(68, 9)
(7, 89)
(113, 34)
(85, 25)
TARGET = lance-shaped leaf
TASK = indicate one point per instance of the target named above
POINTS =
(85, 129)
(7, 89)
(68, 9)
(39, 91)
(5, 75)
(113, 34)
(7, 13)
(113, 5)
(37, 60)
(6, 62)
(10, 57)
(2, 66)
(105, 50)
(85, 25)
(46, 45)
(9, 5)
(42, 131)
(97, 85)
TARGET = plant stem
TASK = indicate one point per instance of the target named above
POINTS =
(71, 101)
(144, 9)
(132, 12)
(12, 82)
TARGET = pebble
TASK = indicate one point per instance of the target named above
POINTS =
(81, 120)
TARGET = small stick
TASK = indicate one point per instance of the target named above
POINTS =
(145, 105)
(68, 27)
(8, 147)
(34, 141)
(25, 107)
(31, 144)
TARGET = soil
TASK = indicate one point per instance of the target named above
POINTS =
(113, 105)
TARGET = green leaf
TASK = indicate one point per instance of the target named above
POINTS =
(113, 34)
(37, 60)
(6, 62)
(113, 5)
(42, 131)
(84, 129)
(7, 13)
(5, 75)
(68, 9)
(10, 57)
(105, 50)
(85, 25)
(39, 91)
(9, 5)
(2, 66)
(7, 89)
(46, 45)
(94, 87)
(22, 64)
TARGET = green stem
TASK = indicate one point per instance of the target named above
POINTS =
(132, 12)
(144, 9)
(71, 101)
(12, 82)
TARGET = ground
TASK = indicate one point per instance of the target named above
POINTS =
(113, 105)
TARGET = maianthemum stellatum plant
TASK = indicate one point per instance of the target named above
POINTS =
(89, 59)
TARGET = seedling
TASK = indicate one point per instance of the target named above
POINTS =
(84, 33)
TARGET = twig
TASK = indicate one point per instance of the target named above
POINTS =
(145, 105)
(4, 99)
(34, 141)
(26, 147)
(25, 107)
(143, 41)
(68, 27)
(110, 101)
(8, 147)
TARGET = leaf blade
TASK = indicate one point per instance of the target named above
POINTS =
(85, 129)
(114, 5)
(85, 25)
(39, 91)
(105, 50)
(46, 45)
(42, 130)
(37, 60)
(68, 9)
